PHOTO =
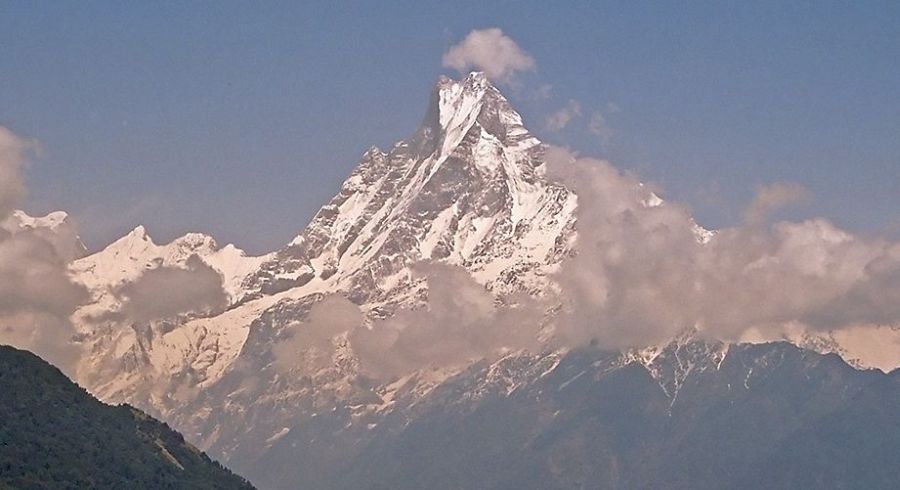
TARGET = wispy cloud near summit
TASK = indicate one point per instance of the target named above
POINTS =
(491, 51)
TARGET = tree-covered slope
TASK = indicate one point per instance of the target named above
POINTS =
(54, 435)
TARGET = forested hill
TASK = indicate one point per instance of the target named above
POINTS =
(54, 435)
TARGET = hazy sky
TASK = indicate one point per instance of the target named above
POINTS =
(240, 120)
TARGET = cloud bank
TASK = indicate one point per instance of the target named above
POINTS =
(167, 292)
(36, 294)
(460, 323)
(641, 272)
(311, 344)
(491, 51)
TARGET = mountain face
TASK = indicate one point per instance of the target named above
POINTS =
(755, 416)
(468, 189)
(53, 434)
(465, 189)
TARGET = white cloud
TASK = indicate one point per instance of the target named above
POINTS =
(490, 51)
(167, 292)
(37, 295)
(543, 92)
(309, 345)
(459, 324)
(561, 118)
(599, 126)
(640, 274)
(772, 197)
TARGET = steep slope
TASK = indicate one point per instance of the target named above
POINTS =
(465, 188)
(53, 434)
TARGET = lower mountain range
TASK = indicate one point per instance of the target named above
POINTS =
(755, 416)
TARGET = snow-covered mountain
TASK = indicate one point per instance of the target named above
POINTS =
(465, 189)
(468, 188)
(132, 361)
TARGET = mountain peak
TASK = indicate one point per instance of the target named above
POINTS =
(138, 235)
(52, 220)
(199, 242)
(474, 80)
(458, 106)
(461, 100)
(137, 245)
(462, 189)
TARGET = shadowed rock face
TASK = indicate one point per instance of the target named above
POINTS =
(765, 416)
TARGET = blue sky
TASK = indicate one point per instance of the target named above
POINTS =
(240, 120)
